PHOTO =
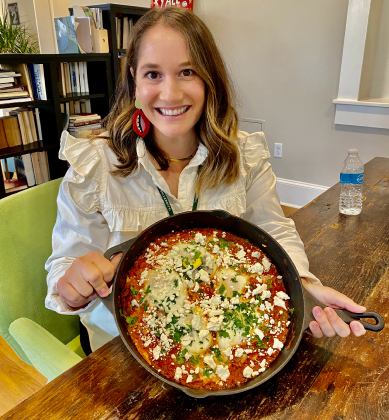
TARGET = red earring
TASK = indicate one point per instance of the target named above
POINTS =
(140, 123)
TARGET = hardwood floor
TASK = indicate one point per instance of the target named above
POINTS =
(18, 380)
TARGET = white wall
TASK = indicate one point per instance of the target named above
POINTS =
(285, 58)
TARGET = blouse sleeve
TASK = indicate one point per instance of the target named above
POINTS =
(80, 228)
(263, 206)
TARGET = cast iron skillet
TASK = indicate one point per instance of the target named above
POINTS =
(301, 301)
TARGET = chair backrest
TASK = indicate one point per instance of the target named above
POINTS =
(26, 224)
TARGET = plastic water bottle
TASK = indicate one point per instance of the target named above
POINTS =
(351, 180)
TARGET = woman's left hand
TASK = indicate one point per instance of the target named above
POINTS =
(327, 321)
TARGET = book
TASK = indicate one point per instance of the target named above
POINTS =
(24, 79)
(23, 128)
(100, 40)
(39, 76)
(83, 123)
(85, 127)
(13, 88)
(87, 132)
(12, 131)
(125, 31)
(11, 101)
(65, 31)
(4, 85)
(13, 185)
(5, 73)
(36, 167)
(73, 77)
(31, 120)
(3, 137)
(4, 80)
(38, 124)
(13, 94)
(28, 170)
(43, 166)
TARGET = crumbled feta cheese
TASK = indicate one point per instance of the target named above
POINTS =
(259, 333)
(256, 254)
(189, 379)
(247, 372)
(134, 302)
(197, 370)
(256, 268)
(203, 334)
(282, 295)
(208, 360)
(239, 352)
(259, 289)
(265, 294)
(196, 322)
(270, 351)
(199, 238)
(156, 352)
(178, 373)
(279, 302)
(266, 264)
(277, 344)
(186, 340)
(222, 372)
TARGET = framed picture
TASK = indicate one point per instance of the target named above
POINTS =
(13, 12)
(185, 4)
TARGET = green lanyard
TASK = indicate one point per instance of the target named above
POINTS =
(169, 207)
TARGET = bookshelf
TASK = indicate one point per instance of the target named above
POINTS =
(110, 12)
(99, 71)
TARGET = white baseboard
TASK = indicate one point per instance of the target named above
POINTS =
(297, 194)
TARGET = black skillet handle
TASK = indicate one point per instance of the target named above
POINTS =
(123, 247)
(346, 316)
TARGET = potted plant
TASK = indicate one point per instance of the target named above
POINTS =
(15, 38)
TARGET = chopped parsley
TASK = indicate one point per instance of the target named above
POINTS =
(195, 360)
(134, 292)
(148, 290)
(131, 321)
(222, 288)
(234, 280)
(175, 283)
(207, 372)
(181, 357)
(217, 354)
(224, 334)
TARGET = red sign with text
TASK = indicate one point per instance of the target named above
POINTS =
(185, 4)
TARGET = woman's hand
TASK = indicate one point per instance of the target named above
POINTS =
(86, 276)
(327, 321)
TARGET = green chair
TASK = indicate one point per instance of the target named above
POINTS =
(42, 338)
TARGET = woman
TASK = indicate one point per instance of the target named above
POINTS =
(192, 151)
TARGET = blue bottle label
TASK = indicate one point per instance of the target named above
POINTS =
(351, 178)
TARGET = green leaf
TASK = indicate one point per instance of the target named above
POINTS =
(131, 321)
(224, 334)
(134, 292)
(221, 289)
(175, 283)
(148, 290)
(181, 357)
(234, 280)
(195, 360)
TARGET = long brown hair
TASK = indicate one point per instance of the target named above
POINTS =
(217, 127)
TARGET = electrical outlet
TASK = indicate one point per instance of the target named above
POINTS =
(278, 150)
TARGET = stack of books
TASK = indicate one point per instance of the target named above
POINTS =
(21, 126)
(85, 125)
(11, 89)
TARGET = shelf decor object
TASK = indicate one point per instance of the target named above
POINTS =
(185, 4)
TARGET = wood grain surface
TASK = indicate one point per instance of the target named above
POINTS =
(330, 378)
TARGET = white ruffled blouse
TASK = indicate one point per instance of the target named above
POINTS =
(97, 211)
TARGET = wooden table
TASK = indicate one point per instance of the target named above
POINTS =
(330, 378)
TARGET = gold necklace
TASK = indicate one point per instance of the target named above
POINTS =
(182, 159)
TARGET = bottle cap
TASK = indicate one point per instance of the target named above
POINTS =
(352, 151)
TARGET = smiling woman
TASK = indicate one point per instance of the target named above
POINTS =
(176, 71)
(192, 157)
